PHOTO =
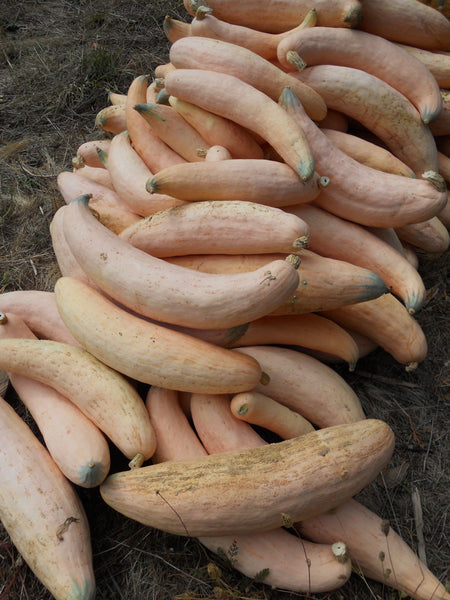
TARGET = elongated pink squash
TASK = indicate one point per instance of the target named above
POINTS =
(196, 52)
(281, 15)
(343, 239)
(362, 194)
(76, 445)
(256, 180)
(324, 282)
(67, 263)
(175, 438)
(370, 53)
(168, 293)
(218, 131)
(265, 44)
(234, 99)
(129, 174)
(104, 395)
(38, 310)
(407, 22)
(110, 209)
(437, 62)
(387, 322)
(146, 351)
(376, 550)
(153, 151)
(42, 513)
(261, 410)
(431, 235)
(380, 108)
(226, 494)
(210, 226)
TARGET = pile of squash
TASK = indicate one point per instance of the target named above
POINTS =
(223, 241)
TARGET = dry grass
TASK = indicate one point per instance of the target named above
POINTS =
(57, 59)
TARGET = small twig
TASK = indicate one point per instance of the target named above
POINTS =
(56, 128)
(116, 585)
(418, 519)
(390, 502)
(389, 380)
(7, 588)
(8, 61)
(428, 446)
(361, 574)
(45, 176)
(158, 557)
(158, 493)
(443, 528)
(33, 267)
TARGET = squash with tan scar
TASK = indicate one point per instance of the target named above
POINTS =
(228, 493)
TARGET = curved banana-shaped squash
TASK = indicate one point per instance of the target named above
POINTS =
(254, 490)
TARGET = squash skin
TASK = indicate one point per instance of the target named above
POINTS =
(219, 131)
(241, 492)
(368, 153)
(98, 174)
(42, 513)
(175, 438)
(431, 236)
(437, 62)
(407, 22)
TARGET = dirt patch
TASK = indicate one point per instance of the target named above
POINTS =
(58, 59)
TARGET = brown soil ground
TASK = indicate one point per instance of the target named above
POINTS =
(57, 59)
